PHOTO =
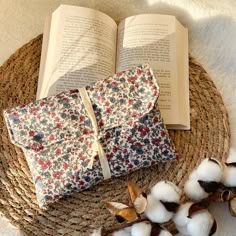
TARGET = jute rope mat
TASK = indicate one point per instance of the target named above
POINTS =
(81, 213)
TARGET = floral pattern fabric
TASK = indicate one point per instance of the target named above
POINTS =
(57, 136)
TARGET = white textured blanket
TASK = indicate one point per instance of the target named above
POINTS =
(212, 38)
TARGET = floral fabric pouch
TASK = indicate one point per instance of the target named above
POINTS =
(78, 138)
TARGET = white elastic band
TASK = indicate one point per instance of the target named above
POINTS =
(102, 157)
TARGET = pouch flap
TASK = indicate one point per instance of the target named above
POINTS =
(47, 121)
(117, 101)
(124, 98)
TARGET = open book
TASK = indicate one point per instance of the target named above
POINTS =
(82, 45)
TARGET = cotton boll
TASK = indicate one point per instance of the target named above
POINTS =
(123, 232)
(167, 191)
(97, 232)
(155, 210)
(229, 175)
(204, 179)
(165, 233)
(200, 224)
(141, 229)
(194, 175)
(210, 170)
(181, 219)
(232, 156)
(194, 191)
(194, 219)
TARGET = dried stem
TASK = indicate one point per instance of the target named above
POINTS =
(221, 195)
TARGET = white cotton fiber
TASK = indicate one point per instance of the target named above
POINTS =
(181, 218)
(209, 170)
(229, 176)
(141, 229)
(123, 232)
(155, 210)
(97, 232)
(232, 155)
(194, 175)
(165, 233)
(194, 191)
(200, 224)
(166, 191)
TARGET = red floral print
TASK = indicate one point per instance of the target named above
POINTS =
(61, 146)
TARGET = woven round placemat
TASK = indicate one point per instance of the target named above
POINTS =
(81, 213)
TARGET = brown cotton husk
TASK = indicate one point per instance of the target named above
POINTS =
(232, 164)
(140, 203)
(232, 206)
(128, 214)
(156, 229)
(170, 206)
(105, 233)
(114, 207)
(209, 186)
(122, 212)
(137, 197)
(221, 195)
(226, 195)
(215, 161)
(134, 191)
(195, 208)
(213, 228)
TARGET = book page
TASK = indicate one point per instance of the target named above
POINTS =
(183, 74)
(47, 27)
(152, 39)
(81, 50)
